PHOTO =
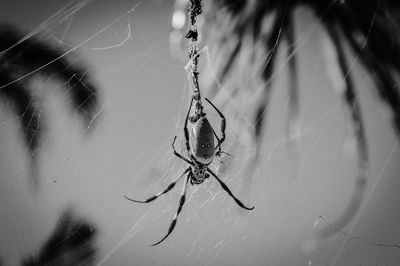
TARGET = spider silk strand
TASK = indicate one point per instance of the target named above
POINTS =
(194, 9)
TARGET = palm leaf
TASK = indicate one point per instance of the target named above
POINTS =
(23, 104)
(71, 243)
(370, 28)
(21, 60)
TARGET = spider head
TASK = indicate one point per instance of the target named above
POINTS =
(199, 173)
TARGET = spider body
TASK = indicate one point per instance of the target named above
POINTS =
(198, 173)
(201, 151)
(202, 141)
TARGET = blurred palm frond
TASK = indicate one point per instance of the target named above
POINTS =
(23, 59)
(245, 36)
(72, 243)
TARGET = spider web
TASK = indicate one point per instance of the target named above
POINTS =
(145, 99)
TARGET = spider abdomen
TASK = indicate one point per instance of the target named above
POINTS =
(202, 141)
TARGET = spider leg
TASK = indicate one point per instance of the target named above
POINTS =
(185, 129)
(225, 187)
(179, 155)
(170, 186)
(219, 141)
(218, 154)
(174, 220)
(220, 151)
(223, 126)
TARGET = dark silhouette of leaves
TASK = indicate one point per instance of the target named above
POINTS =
(23, 104)
(32, 54)
(21, 60)
(370, 27)
(71, 244)
(257, 29)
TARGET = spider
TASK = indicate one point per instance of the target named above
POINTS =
(201, 151)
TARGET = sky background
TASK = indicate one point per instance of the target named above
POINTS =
(144, 93)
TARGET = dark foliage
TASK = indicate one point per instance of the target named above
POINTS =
(21, 60)
(24, 107)
(370, 28)
(348, 20)
(71, 244)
